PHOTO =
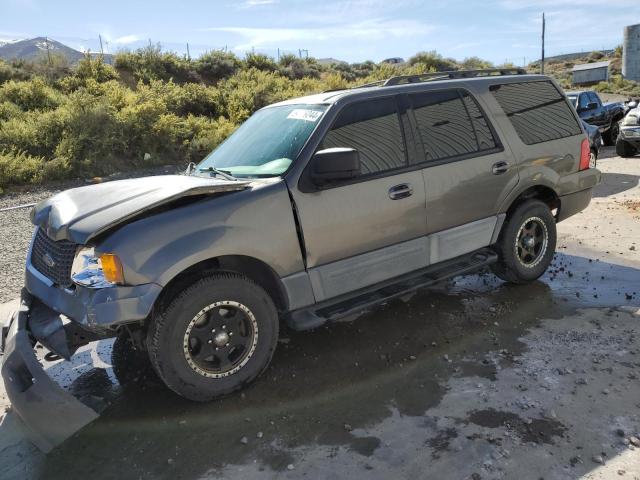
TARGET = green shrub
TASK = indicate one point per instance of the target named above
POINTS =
(35, 133)
(432, 60)
(151, 63)
(34, 94)
(19, 168)
(260, 62)
(216, 65)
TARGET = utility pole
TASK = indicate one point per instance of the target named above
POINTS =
(542, 60)
(46, 44)
(101, 50)
(278, 53)
(188, 53)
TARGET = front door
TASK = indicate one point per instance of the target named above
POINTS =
(372, 228)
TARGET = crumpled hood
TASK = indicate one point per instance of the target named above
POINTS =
(82, 213)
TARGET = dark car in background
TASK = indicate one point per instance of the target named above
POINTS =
(604, 116)
(595, 141)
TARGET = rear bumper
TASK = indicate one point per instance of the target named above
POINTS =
(50, 413)
(574, 203)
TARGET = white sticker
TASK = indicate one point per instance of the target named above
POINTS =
(306, 115)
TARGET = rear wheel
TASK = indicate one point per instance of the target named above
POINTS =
(214, 337)
(624, 149)
(526, 244)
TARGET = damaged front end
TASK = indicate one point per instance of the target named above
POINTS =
(50, 413)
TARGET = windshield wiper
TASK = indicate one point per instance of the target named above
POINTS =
(222, 173)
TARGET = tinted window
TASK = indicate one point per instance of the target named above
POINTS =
(584, 101)
(443, 123)
(593, 98)
(537, 110)
(486, 140)
(372, 128)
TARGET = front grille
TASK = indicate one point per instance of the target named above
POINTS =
(53, 259)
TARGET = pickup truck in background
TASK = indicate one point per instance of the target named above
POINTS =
(604, 116)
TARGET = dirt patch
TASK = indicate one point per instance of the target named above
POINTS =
(538, 430)
(633, 206)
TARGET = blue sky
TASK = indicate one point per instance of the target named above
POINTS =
(352, 30)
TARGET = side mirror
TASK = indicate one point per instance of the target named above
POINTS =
(592, 106)
(333, 164)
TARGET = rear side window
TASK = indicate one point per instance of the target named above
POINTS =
(372, 128)
(537, 110)
(450, 124)
(486, 140)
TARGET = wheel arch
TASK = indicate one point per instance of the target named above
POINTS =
(253, 268)
(543, 193)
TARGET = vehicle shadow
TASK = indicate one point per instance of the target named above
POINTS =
(356, 373)
(614, 183)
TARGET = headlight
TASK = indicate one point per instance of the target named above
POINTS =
(96, 272)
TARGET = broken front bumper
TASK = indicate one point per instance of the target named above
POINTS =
(50, 413)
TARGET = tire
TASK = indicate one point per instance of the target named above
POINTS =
(532, 215)
(131, 365)
(624, 149)
(191, 343)
(610, 137)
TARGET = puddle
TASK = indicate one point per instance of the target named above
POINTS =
(532, 430)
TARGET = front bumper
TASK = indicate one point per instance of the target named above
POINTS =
(95, 309)
(50, 413)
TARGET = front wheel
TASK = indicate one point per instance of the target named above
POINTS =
(214, 337)
(526, 244)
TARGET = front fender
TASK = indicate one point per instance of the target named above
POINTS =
(257, 223)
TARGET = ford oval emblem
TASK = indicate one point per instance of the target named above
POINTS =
(48, 260)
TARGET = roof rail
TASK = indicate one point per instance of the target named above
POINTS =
(450, 75)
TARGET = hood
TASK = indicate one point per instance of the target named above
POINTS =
(82, 213)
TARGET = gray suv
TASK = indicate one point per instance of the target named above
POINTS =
(315, 208)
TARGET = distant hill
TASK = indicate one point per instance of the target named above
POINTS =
(35, 48)
(329, 61)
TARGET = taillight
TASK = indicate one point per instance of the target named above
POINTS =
(585, 154)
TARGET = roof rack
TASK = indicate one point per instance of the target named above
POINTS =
(456, 74)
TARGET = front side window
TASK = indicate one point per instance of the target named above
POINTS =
(372, 128)
(538, 111)
(267, 143)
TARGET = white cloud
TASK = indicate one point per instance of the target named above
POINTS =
(126, 39)
(367, 30)
(257, 3)
(540, 4)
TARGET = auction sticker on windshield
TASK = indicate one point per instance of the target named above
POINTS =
(304, 114)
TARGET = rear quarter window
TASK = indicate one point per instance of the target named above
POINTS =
(538, 111)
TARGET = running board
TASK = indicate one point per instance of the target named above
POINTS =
(355, 302)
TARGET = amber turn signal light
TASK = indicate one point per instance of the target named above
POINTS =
(112, 268)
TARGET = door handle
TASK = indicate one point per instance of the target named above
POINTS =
(403, 190)
(499, 168)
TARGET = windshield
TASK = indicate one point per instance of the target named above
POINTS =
(267, 143)
(573, 99)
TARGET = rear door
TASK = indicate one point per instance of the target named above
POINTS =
(467, 171)
(370, 229)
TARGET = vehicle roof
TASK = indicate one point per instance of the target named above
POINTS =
(330, 97)
(578, 92)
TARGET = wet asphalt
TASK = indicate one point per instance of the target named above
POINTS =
(335, 401)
